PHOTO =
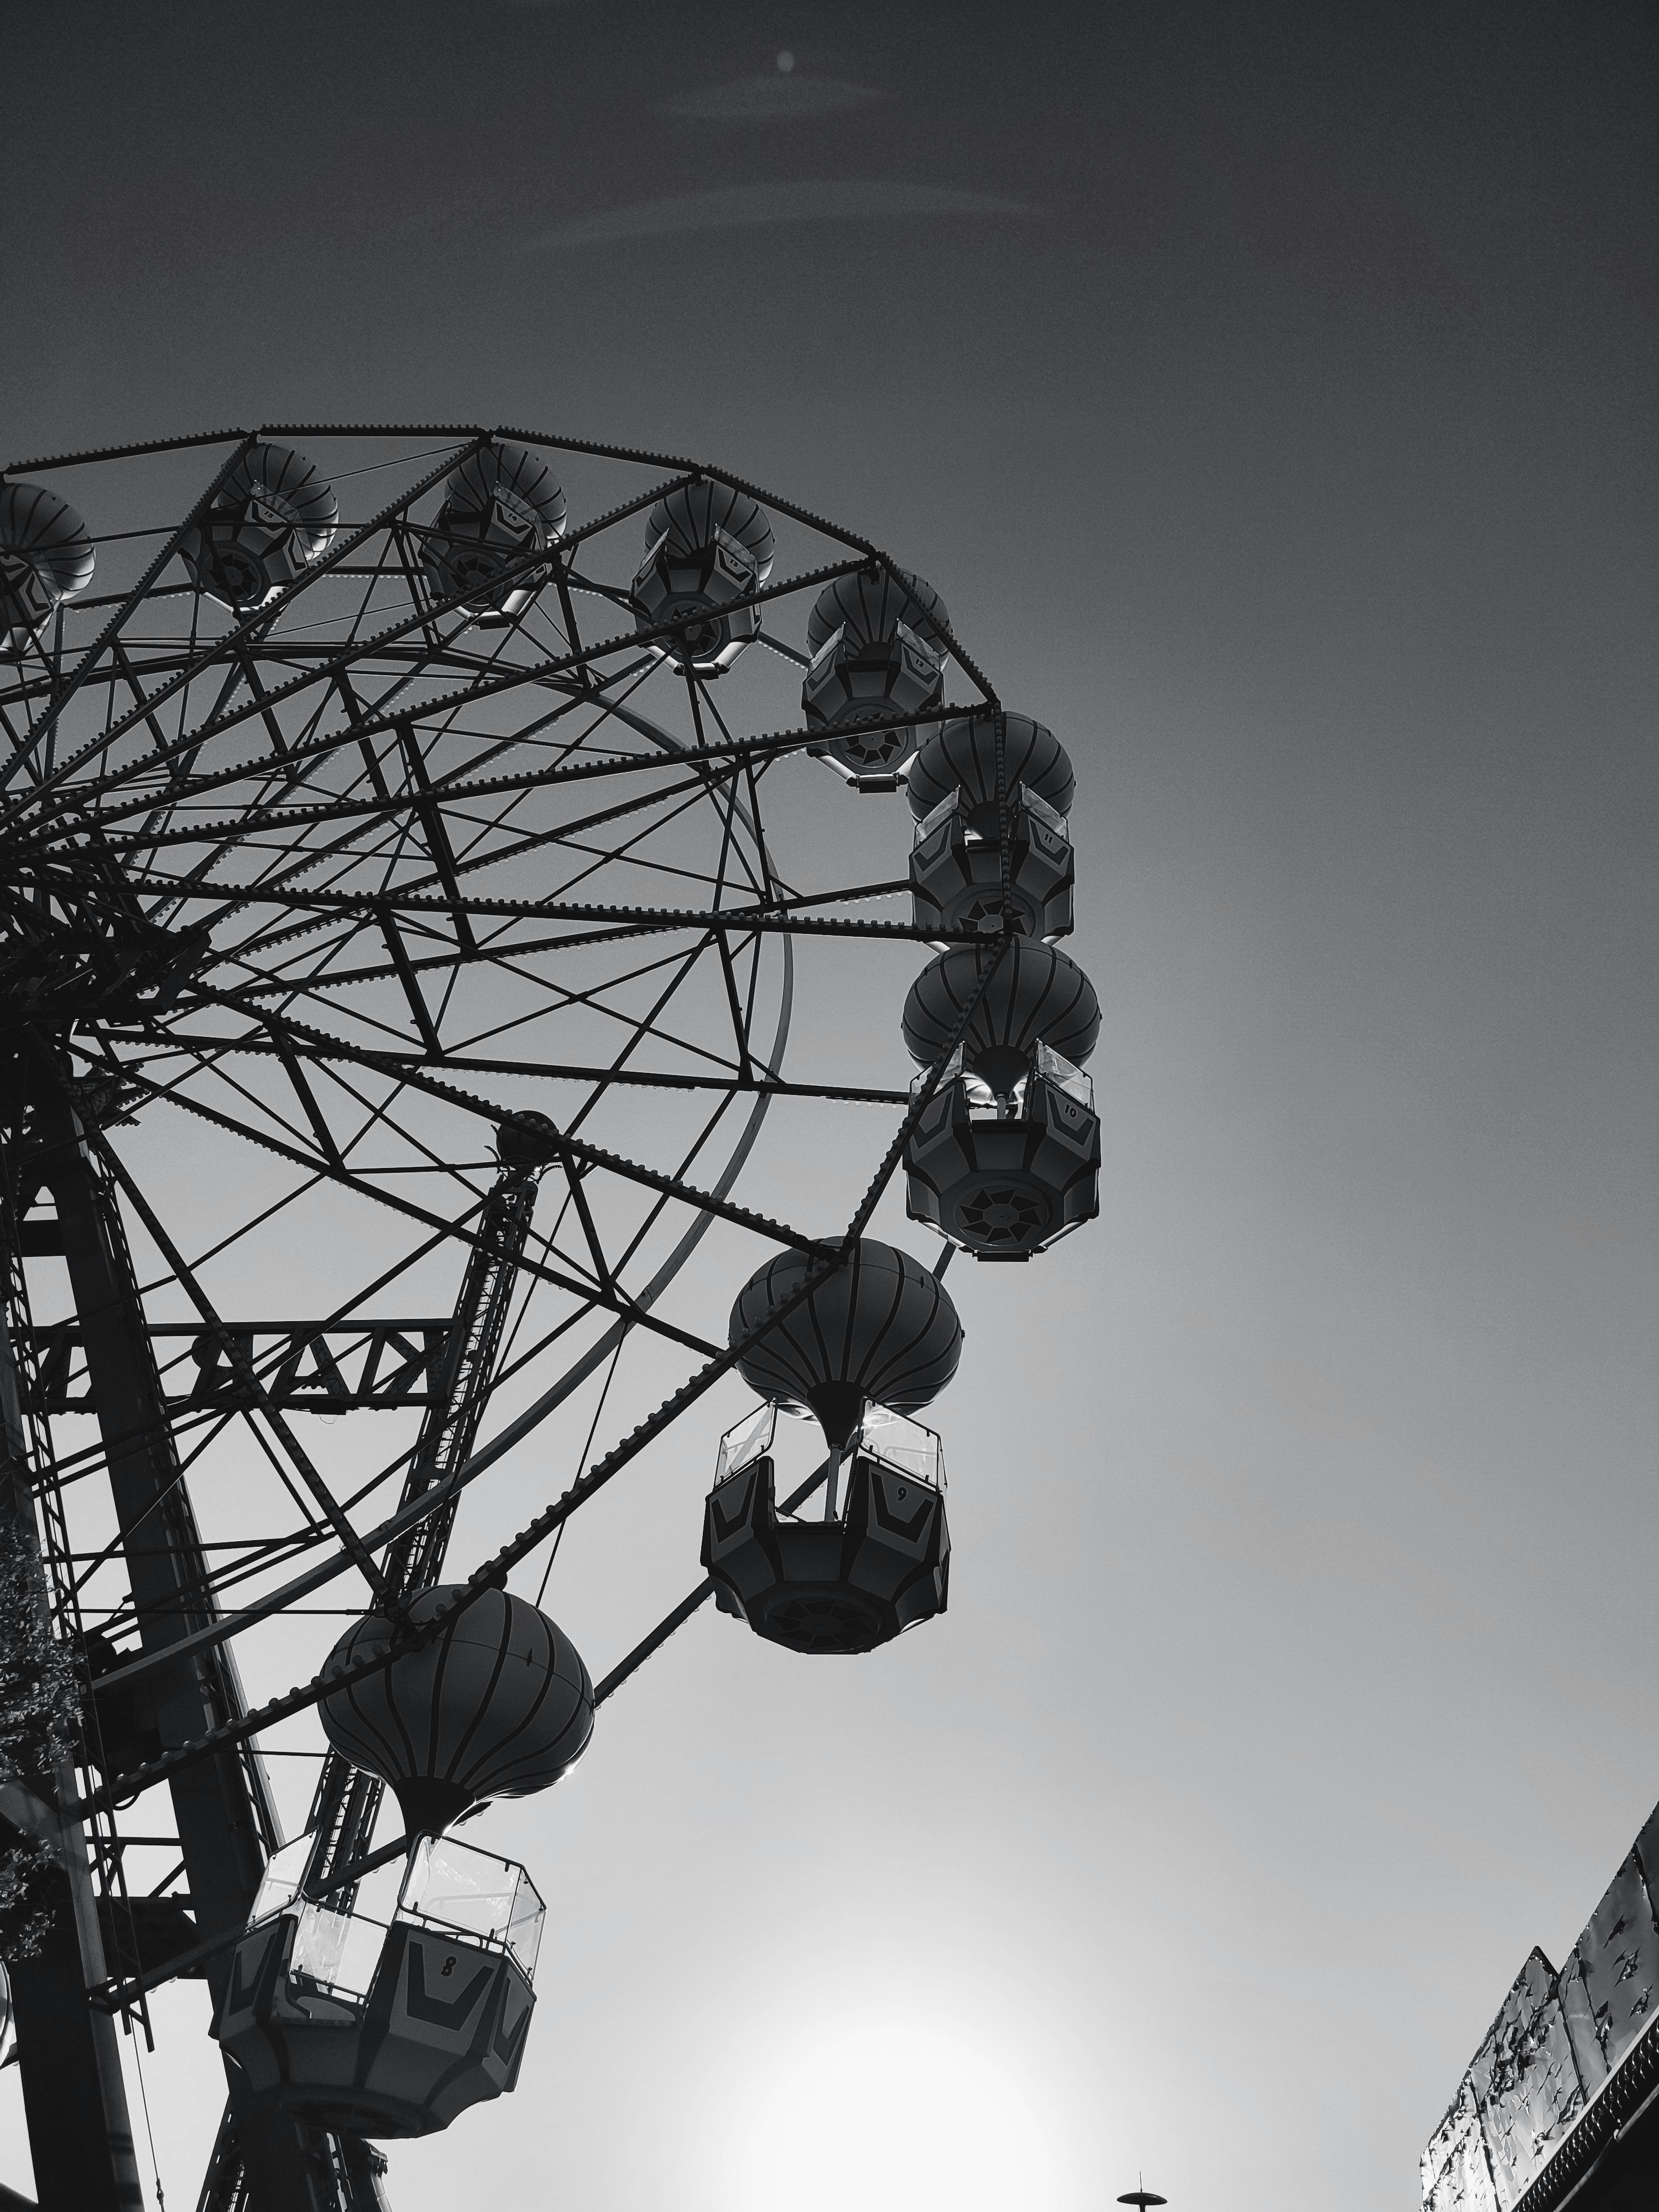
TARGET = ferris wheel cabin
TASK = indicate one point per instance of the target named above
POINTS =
(877, 1562)
(501, 508)
(47, 557)
(272, 517)
(707, 547)
(386, 2008)
(877, 642)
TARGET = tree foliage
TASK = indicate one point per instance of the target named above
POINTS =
(40, 1715)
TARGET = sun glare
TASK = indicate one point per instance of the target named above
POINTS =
(912, 2114)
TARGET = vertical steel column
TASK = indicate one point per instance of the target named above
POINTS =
(69, 2055)
(450, 1426)
(347, 1802)
(356, 2170)
(226, 1827)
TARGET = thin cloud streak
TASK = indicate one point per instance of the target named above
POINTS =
(746, 207)
(776, 98)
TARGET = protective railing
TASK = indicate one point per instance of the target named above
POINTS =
(443, 1884)
(1049, 1067)
(894, 1439)
(1022, 795)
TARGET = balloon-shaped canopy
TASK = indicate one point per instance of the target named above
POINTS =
(42, 536)
(867, 607)
(510, 481)
(962, 756)
(879, 1331)
(274, 484)
(1035, 996)
(689, 517)
(497, 1703)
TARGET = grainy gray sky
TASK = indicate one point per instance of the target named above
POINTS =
(1270, 392)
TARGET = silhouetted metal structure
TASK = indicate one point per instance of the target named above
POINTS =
(408, 860)
(1561, 2104)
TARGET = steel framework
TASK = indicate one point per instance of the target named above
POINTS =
(450, 938)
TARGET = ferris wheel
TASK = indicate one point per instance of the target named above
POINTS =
(399, 936)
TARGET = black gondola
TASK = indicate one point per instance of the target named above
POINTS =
(386, 2009)
(879, 1564)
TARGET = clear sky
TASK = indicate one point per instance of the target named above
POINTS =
(1270, 392)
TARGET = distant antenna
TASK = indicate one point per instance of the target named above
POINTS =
(1142, 2196)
